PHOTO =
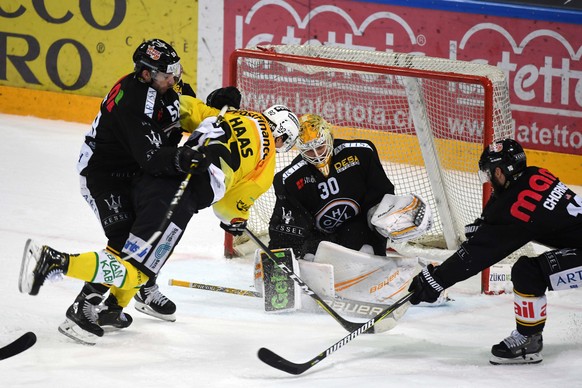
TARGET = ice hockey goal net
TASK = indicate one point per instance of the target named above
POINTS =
(428, 117)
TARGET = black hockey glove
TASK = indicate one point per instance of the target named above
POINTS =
(229, 95)
(470, 229)
(184, 88)
(236, 228)
(425, 287)
(188, 158)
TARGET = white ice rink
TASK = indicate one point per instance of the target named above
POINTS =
(216, 336)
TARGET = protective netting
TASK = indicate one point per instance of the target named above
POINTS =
(428, 117)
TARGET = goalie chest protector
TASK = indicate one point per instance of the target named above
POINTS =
(356, 182)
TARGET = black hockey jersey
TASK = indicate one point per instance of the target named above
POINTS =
(537, 207)
(308, 202)
(135, 129)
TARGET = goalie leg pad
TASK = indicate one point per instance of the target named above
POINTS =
(361, 276)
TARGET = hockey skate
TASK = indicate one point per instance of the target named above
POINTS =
(518, 349)
(111, 314)
(150, 301)
(81, 323)
(39, 263)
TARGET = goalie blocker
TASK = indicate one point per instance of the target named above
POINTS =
(401, 217)
(281, 293)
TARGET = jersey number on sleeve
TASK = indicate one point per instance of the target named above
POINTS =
(174, 110)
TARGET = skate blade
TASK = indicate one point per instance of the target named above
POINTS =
(533, 358)
(26, 278)
(144, 308)
(74, 332)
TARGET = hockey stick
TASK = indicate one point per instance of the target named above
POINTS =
(348, 325)
(19, 345)
(209, 287)
(354, 308)
(272, 359)
(175, 200)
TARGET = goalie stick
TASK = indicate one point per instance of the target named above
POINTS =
(272, 359)
(350, 307)
(348, 325)
(19, 345)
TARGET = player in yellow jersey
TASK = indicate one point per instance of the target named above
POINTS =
(235, 161)
(242, 149)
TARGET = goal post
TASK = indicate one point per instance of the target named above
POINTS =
(429, 118)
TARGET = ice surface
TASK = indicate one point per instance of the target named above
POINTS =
(216, 336)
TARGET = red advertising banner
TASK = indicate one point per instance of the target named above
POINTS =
(541, 59)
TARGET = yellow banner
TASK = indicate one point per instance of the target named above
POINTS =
(84, 46)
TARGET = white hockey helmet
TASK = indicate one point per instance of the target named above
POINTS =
(315, 141)
(283, 123)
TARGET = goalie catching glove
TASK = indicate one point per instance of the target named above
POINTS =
(401, 217)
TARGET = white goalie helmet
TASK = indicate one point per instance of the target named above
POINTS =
(315, 141)
(283, 123)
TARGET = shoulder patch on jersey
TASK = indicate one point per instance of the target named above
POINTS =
(292, 168)
(352, 144)
(302, 181)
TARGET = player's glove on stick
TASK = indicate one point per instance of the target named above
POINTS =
(188, 158)
(229, 95)
(235, 228)
(425, 287)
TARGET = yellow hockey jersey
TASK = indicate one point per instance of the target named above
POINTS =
(245, 154)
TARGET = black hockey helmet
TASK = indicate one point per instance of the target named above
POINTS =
(157, 55)
(506, 154)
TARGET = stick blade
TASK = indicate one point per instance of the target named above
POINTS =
(25, 341)
(272, 359)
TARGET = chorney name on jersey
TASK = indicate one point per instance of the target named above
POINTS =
(529, 198)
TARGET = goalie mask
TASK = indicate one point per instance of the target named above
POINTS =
(156, 55)
(506, 154)
(284, 123)
(315, 141)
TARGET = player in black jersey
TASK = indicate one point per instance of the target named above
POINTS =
(130, 167)
(133, 176)
(136, 131)
(327, 191)
(527, 204)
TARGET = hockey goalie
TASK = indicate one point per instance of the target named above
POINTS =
(354, 283)
(336, 211)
